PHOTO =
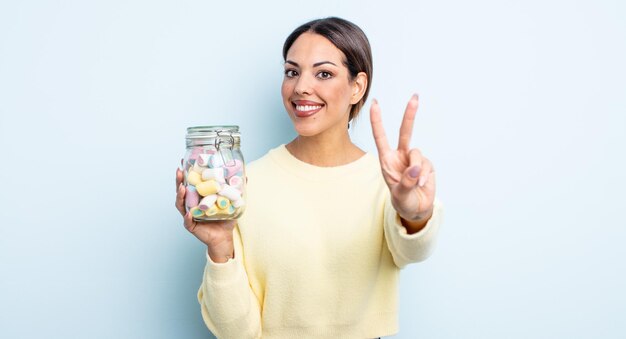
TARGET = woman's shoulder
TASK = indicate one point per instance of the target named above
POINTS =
(265, 157)
(266, 161)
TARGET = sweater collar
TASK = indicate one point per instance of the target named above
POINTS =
(298, 167)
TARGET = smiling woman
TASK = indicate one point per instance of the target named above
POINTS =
(351, 42)
(319, 92)
(327, 226)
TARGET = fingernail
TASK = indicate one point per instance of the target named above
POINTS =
(415, 96)
(374, 102)
(422, 181)
(414, 171)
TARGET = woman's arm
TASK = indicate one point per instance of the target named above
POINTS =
(412, 215)
(407, 248)
(229, 307)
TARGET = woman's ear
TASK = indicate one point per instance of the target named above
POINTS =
(358, 87)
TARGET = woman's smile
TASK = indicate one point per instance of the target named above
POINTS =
(305, 108)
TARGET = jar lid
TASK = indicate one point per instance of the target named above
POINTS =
(210, 135)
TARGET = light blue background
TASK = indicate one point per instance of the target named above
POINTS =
(522, 111)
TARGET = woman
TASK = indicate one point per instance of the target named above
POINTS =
(327, 226)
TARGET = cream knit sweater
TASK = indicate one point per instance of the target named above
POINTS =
(317, 254)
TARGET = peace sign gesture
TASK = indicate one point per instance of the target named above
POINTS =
(409, 175)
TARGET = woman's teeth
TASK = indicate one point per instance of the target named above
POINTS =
(307, 108)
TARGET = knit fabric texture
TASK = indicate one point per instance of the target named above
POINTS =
(318, 252)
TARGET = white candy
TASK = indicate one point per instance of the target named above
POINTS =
(203, 159)
(197, 168)
(216, 174)
(207, 202)
(230, 192)
(237, 203)
(215, 161)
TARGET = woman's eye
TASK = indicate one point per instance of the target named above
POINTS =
(324, 75)
(290, 73)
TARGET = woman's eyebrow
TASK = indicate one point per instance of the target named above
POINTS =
(314, 65)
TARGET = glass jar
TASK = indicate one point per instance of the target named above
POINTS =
(214, 173)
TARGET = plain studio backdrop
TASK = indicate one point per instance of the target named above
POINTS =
(522, 111)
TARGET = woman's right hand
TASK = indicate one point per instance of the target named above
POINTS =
(217, 235)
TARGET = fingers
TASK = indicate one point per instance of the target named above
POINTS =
(189, 223)
(406, 129)
(179, 178)
(421, 166)
(419, 171)
(180, 199)
(377, 129)
(427, 173)
(411, 175)
(429, 184)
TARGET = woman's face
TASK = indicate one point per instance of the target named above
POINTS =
(317, 91)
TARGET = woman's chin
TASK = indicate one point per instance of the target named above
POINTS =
(306, 131)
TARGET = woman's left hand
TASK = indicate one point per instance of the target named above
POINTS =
(409, 175)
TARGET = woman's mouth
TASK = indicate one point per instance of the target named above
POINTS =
(303, 111)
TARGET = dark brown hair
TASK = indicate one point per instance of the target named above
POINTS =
(350, 40)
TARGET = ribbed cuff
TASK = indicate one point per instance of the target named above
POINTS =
(433, 222)
(223, 273)
(411, 248)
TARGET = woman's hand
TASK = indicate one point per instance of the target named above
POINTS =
(217, 235)
(409, 175)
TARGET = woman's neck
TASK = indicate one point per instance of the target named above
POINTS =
(325, 150)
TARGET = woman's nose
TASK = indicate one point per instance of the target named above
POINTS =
(303, 86)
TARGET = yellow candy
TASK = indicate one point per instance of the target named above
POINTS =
(222, 203)
(196, 212)
(211, 211)
(194, 178)
(209, 187)
(227, 211)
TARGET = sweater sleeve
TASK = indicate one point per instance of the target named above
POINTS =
(410, 248)
(229, 307)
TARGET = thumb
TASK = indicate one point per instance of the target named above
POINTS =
(409, 180)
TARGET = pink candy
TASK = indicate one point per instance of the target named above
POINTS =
(194, 153)
(235, 166)
(235, 181)
(191, 197)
